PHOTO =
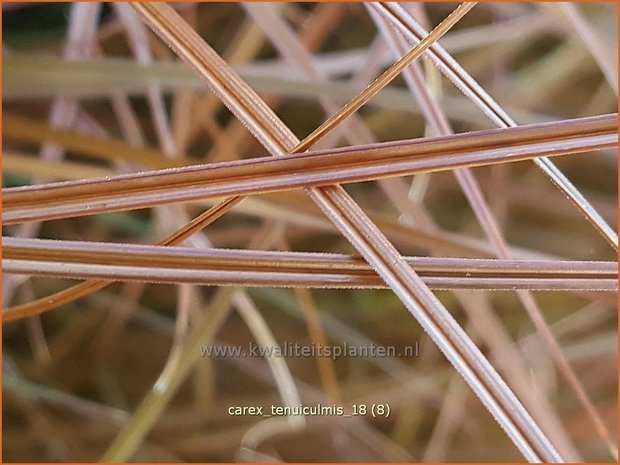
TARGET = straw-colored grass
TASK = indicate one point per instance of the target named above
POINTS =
(147, 130)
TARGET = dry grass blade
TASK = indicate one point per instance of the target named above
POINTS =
(230, 259)
(98, 82)
(23, 164)
(27, 130)
(87, 197)
(124, 262)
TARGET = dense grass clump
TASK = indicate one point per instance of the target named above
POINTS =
(309, 232)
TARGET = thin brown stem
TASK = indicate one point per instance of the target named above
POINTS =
(122, 192)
